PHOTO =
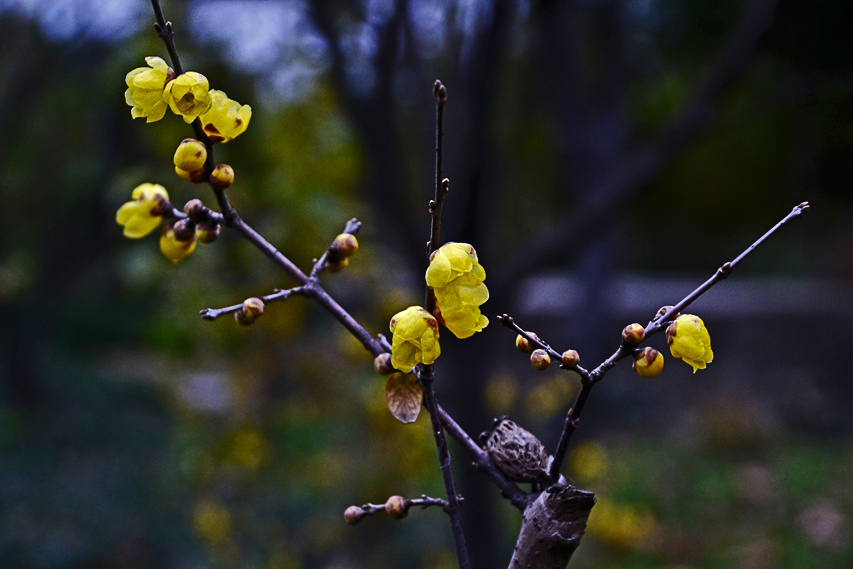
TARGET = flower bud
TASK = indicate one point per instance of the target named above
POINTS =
(196, 176)
(252, 309)
(663, 310)
(184, 229)
(335, 267)
(195, 209)
(353, 515)
(208, 231)
(222, 177)
(648, 362)
(633, 334)
(523, 344)
(190, 155)
(382, 364)
(540, 359)
(571, 358)
(346, 244)
(396, 507)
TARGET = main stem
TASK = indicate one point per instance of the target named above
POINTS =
(426, 372)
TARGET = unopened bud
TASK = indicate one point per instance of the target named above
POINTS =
(663, 310)
(190, 155)
(222, 177)
(184, 229)
(195, 176)
(382, 364)
(648, 362)
(523, 344)
(252, 309)
(353, 515)
(194, 209)
(346, 243)
(571, 358)
(208, 231)
(540, 359)
(633, 334)
(396, 507)
(335, 267)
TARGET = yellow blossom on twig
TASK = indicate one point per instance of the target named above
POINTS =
(456, 277)
(145, 86)
(173, 248)
(188, 95)
(415, 338)
(226, 119)
(142, 215)
(689, 340)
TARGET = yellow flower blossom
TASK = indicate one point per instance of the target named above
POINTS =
(456, 277)
(142, 215)
(226, 118)
(188, 95)
(689, 340)
(174, 249)
(145, 86)
(415, 339)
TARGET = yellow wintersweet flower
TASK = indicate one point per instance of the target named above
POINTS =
(415, 338)
(173, 248)
(142, 215)
(188, 95)
(456, 277)
(145, 86)
(689, 340)
(226, 118)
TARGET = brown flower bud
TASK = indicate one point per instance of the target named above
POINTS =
(184, 229)
(571, 358)
(540, 359)
(222, 177)
(633, 334)
(335, 267)
(397, 507)
(353, 515)
(208, 231)
(195, 210)
(382, 364)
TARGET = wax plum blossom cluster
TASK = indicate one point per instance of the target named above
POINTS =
(456, 278)
(151, 91)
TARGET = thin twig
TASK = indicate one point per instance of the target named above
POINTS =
(214, 313)
(656, 325)
(425, 373)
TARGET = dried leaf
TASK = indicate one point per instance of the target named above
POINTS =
(404, 396)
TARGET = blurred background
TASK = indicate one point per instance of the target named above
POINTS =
(605, 157)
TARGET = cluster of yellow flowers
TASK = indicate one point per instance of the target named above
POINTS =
(150, 91)
(456, 277)
(153, 89)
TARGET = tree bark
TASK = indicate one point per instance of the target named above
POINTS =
(552, 527)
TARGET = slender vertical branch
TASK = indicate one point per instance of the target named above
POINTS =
(426, 376)
(442, 184)
(426, 372)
